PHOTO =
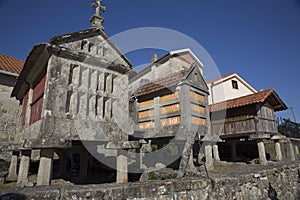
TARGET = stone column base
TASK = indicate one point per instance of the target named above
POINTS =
(45, 168)
(122, 169)
(24, 168)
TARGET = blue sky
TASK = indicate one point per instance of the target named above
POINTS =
(258, 39)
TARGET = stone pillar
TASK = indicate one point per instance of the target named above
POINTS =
(24, 168)
(216, 152)
(12, 172)
(84, 163)
(233, 150)
(208, 158)
(157, 113)
(278, 151)
(261, 152)
(45, 168)
(292, 153)
(122, 171)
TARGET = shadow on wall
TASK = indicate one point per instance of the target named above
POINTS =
(12, 196)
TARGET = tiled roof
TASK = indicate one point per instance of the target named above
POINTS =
(161, 83)
(259, 97)
(10, 64)
(220, 78)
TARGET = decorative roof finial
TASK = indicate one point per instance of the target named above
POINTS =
(97, 19)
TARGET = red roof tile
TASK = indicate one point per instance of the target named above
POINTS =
(161, 84)
(258, 97)
(10, 64)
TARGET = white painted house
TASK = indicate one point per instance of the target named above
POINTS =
(171, 63)
(228, 87)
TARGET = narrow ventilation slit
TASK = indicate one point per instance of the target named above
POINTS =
(68, 102)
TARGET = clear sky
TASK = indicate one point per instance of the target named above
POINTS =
(258, 39)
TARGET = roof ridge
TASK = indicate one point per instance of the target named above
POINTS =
(11, 57)
(270, 91)
(222, 77)
(169, 76)
(258, 97)
(10, 64)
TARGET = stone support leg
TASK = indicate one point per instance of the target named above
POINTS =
(216, 152)
(24, 168)
(261, 152)
(84, 157)
(12, 172)
(233, 150)
(208, 158)
(45, 167)
(278, 151)
(122, 171)
(292, 152)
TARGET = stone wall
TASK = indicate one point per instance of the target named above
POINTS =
(8, 109)
(280, 182)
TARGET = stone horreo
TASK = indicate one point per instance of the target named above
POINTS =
(86, 116)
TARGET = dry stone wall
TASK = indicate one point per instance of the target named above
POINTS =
(276, 183)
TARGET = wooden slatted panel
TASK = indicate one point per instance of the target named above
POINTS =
(37, 101)
(36, 111)
(146, 103)
(146, 113)
(197, 108)
(170, 108)
(197, 97)
(198, 121)
(38, 90)
(146, 125)
(170, 121)
(169, 97)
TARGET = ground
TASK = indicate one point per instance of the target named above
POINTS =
(221, 169)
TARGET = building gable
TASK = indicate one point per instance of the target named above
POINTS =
(228, 87)
(195, 78)
(94, 42)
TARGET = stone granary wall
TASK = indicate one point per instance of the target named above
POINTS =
(9, 70)
(277, 183)
(8, 108)
(73, 91)
(8, 114)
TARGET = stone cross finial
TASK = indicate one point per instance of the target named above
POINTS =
(97, 19)
(98, 7)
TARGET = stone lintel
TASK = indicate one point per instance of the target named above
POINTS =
(47, 143)
(11, 147)
(211, 138)
(259, 136)
(123, 145)
(278, 137)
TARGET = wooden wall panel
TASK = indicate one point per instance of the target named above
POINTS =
(37, 101)
(169, 97)
(198, 121)
(170, 108)
(146, 113)
(146, 103)
(146, 125)
(197, 108)
(170, 121)
(197, 97)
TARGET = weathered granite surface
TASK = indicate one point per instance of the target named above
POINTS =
(8, 114)
(275, 183)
